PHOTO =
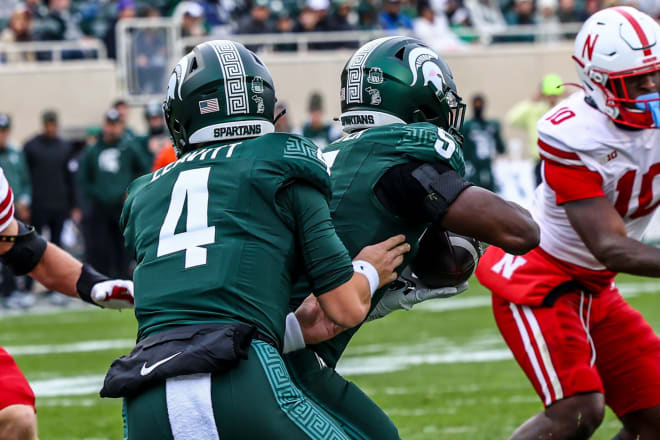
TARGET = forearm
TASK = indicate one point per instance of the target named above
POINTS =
(57, 270)
(627, 255)
(485, 216)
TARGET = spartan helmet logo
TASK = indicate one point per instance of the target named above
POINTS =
(423, 57)
(176, 79)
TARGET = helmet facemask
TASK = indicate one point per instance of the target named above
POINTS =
(636, 109)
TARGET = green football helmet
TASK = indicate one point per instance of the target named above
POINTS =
(399, 80)
(219, 91)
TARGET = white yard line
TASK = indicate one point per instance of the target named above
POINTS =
(68, 386)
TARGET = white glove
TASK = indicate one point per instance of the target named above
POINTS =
(113, 294)
(407, 291)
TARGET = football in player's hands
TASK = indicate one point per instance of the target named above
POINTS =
(445, 259)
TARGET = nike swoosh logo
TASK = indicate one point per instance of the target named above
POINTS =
(147, 370)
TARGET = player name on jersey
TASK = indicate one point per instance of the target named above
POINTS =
(202, 154)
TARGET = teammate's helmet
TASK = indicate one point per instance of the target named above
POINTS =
(219, 91)
(398, 79)
(614, 45)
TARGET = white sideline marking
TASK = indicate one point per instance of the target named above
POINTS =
(76, 347)
(628, 290)
(68, 386)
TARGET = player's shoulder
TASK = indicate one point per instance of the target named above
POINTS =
(137, 185)
(296, 149)
(573, 129)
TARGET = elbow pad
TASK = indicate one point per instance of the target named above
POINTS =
(27, 251)
(442, 188)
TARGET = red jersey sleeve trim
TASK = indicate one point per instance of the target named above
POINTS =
(557, 152)
(572, 183)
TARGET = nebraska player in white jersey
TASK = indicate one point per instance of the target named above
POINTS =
(26, 252)
(557, 307)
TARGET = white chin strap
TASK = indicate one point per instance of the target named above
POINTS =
(361, 119)
(228, 131)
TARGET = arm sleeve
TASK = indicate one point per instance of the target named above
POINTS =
(326, 260)
(402, 193)
(572, 182)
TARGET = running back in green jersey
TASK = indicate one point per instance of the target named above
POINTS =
(210, 240)
(357, 162)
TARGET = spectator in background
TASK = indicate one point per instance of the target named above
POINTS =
(258, 22)
(309, 18)
(316, 128)
(434, 30)
(342, 17)
(192, 21)
(125, 9)
(483, 142)
(218, 13)
(486, 15)
(568, 13)
(18, 30)
(60, 23)
(457, 14)
(392, 19)
(368, 15)
(283, 24)
(53, 194)
(522, 13)
(122, 108)
(106, 169)
(526, 114)
(156, 138)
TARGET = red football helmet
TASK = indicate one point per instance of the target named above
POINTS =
(616, 50)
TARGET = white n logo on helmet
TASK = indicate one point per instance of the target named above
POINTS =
(233, 71)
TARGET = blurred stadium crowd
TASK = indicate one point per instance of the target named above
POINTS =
(445, 24)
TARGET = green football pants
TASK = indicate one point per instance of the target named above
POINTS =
(357, 414)
(254, 401)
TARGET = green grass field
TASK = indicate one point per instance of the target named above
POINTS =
(441, 371)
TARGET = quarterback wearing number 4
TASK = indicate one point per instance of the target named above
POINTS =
(220, 236)
(579, 342)
(399, 169)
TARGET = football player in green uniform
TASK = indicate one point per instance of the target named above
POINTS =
(399, 169)
(220, 236)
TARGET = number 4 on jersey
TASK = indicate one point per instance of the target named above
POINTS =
(190, 185)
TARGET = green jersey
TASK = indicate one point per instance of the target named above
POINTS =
(220, 234)
(358, 161)
(482, 142)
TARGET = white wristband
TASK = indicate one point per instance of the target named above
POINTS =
(369, 271)
(293, 335)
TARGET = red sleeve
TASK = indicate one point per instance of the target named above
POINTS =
(571, 182)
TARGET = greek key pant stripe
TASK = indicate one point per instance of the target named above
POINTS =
(312, 420)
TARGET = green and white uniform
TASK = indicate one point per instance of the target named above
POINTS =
(358, 162)
(221, 235)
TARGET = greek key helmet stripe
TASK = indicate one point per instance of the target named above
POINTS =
(233, 72)
(355, 70)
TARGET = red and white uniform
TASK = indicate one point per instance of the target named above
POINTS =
(14, 387)
(557, 307)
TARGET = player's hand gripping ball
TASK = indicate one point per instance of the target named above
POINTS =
(445, 259)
